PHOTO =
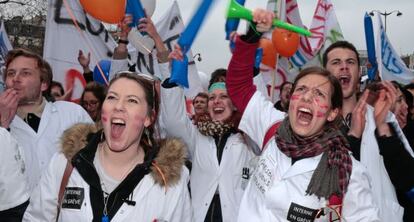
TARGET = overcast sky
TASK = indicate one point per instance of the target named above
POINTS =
(213, 47)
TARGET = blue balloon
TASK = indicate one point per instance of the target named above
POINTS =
(259, 56)
(369, 38)
(179, 72)
(97, 75)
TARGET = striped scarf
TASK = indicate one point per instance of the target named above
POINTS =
(333, 172)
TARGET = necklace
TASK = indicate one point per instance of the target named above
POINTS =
(105, 191)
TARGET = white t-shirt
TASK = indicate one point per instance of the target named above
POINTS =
(13, 180)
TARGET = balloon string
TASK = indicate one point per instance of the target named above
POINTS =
(72, 16)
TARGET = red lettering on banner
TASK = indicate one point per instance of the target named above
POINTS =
(71, 76)
(291, 8)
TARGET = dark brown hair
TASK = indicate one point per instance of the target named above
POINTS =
(59, 85)
(215, 76)
(339, 44)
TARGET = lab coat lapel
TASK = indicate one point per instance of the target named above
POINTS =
(302, 166)
(45, 119)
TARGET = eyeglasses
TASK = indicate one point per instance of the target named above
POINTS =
(92, 103)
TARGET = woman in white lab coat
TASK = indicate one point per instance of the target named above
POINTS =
(221, 160)
(305, 172)
(120, 173)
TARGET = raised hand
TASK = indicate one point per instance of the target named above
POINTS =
(386, 100)
(84, 60)
(176, 53)
(146, 25)
(263, 19)
(124, 26)
(358, 116)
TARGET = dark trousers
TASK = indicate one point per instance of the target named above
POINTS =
(214, 211)
(14, 214)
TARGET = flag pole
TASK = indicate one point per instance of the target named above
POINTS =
(277, 8)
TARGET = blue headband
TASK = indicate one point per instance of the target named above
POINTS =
(217, 85)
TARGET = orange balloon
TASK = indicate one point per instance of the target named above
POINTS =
(286, 43)
(109, 11)
(269, 52)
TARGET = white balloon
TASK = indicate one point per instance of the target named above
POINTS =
(149, 6)
(143, 43)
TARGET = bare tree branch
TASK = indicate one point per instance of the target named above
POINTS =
(11, 1)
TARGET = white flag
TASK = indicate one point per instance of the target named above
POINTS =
(5, 46)
(63, 41)
(169, 28)
(325, 31)
(390, 65)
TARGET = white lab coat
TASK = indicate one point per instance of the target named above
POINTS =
(152, 202)
(276, 184)
(41, 146)
(13, 180)
(384, 191)
(207, 175)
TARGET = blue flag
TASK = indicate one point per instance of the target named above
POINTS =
(369, 39)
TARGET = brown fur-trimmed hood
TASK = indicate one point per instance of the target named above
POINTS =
(169, 160)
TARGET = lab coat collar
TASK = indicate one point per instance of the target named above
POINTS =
(302, 166)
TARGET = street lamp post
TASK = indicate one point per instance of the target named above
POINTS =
(197, 55)
(385, 14)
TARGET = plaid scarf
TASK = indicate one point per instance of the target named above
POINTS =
(333, 172)
(208, 127)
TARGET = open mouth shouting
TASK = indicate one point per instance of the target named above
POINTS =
(117, 127)
(344, 80)
(218, 110)
(304, 116)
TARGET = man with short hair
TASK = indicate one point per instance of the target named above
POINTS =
(342, 60)
(200, 103)
(284, 95)
(35, 123)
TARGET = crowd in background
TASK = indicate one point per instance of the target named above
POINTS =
(130, 151)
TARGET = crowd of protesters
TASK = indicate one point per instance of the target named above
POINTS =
(327, 151)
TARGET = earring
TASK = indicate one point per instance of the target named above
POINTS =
(102, 136)
(147, 133)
